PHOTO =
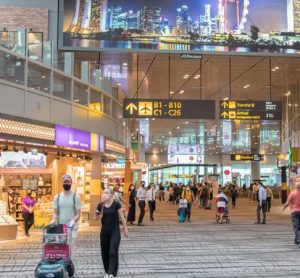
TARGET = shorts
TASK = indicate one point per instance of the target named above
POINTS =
(221, 210)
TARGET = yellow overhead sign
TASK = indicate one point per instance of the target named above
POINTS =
(169, 109)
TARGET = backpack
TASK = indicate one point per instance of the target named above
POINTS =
(56, 268)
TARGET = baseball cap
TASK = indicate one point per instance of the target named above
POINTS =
(66, 179)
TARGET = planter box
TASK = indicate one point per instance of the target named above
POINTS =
(8, 232)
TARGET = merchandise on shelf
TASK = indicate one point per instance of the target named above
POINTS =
(8, 225)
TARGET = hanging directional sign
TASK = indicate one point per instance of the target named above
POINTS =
(169, 109)
(250, 110)
(247, 157)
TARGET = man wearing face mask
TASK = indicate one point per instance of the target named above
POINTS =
(28, 204)
(294, 202)
(67, 205)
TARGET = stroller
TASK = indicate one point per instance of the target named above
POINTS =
(225, 215)
(182, 210)
(56, 260)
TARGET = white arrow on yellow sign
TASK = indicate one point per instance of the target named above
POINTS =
(131, 107)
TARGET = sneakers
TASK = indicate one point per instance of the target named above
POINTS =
(106, 275)
(111, 276)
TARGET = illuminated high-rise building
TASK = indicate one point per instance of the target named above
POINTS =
(147, 20)
(89, 17)
(157, 20)
(208, 18)
(182, 19)
(114, 13)
(297, 16)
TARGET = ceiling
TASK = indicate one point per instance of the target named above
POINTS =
(214, 77)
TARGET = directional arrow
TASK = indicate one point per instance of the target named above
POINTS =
(225, 104)
(131, 107)
(225, 115)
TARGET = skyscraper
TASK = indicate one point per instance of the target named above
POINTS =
(208, 18)
(115, 12)
(157, 20)
(89, 17)
(182, 19)
(297, 16)
(147, 20)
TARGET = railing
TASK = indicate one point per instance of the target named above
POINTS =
(30, 44)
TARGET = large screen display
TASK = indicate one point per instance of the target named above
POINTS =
(241, 26)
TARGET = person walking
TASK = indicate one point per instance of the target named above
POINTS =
(141, 196)
(161, 193)
(294, 202)
(234, 195)
(131, 212)
(151, 200)
(269, 198)
(110, 211)
(67, 205)
(171, 194)
(261, 198)
(222, 205)
(28, 204)
(189, 197)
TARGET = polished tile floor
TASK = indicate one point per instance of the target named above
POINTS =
(165, 248)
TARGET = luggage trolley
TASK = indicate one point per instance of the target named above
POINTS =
(57, 252)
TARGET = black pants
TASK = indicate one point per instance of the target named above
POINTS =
(110, 251)
(263, 207)
(189, 210)
(233, 201)
(269, 202)
(151, 205)
(142, 205)
(296, 225)
(28, 221)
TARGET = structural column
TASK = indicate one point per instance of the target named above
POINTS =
(255, 146)
(95, 186)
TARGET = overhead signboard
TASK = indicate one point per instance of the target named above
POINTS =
(250, 110)
(247, 157)
(169, 109)
(185, 159)
(180, 26)
(185, 149)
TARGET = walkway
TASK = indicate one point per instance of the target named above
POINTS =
(166, 248)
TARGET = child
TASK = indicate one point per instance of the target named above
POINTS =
(182, 210)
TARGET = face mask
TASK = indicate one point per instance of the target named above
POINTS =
(67, 186)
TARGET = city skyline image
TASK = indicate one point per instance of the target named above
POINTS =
(162, 23)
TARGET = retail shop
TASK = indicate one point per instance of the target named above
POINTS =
(36, 160)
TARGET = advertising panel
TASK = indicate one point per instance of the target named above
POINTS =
(241, 26)
(22, 160)
(185, 159)
(73, 138)
(185, 149)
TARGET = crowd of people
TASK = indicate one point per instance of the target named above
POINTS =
(112, 207)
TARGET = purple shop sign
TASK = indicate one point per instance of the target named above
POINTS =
(73, 138)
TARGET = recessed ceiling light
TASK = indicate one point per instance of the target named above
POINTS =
(153, 119)
(125, 64)
(171, 93)
(226, 98)
(186, 122)
(178, 127)
(181, 92)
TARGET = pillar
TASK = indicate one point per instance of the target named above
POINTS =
(283, 185)
(128, 175)
(95, 186)
(255, 148)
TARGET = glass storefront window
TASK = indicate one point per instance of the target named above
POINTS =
(95, 100)
(80, 93)
(38, 78)
(106, 105)
(61, 86)
(12, 68)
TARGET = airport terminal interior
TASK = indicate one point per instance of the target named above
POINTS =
(198, 102)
